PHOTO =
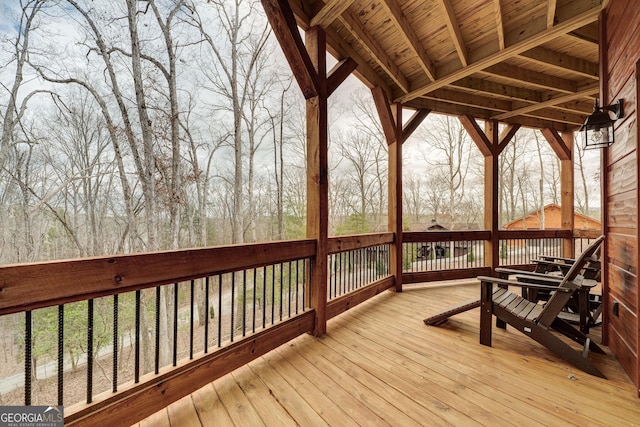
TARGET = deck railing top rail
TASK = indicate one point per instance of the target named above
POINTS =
(36, 285)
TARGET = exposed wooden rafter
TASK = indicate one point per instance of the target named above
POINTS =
(551, 12)
(454, 30)
(406, 31)
(499, 24)
(541, 37)
(330, 12)
(548, 103)
(534, 63)
(383, 59)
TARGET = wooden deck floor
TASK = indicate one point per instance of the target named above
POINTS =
(380, 365)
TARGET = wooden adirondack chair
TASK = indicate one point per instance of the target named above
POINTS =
(536, 320)
(583, 307)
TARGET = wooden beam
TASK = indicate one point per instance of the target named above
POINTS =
(318, 178)
(340, 48)
(412, 124)
(283, 24)
(493, 57)
(406, 31)
(330, 12)
(551, 12)
(443, 107)
(561, 62)
(339, 74)
(558, 145)
(567, 171)
(499, 25)
(477, 100)
(548, 103)
(496, 89)
(506, 135)
(454, 31)
(384, 112)
(477, 135)
(351, 23)
(518, 76)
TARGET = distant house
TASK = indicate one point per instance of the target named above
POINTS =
(552, 219)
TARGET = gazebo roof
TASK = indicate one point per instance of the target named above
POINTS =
(532, 62)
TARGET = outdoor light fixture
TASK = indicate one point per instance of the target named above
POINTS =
(598, 128)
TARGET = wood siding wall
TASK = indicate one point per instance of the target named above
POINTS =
(620, 64)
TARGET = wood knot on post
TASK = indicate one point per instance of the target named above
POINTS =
(118, 279)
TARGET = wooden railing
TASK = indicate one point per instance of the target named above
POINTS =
(448, 255)
(171, 322)
(358, 268)
(136, 314)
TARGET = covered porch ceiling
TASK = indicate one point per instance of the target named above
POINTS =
(527, 62)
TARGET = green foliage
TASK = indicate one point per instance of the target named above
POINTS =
(503, 250)
(354, 224)
(471, 257)
(295, 227)
(409, 255)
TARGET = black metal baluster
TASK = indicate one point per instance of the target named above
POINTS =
(193, 284)
(253, 316)
(114, 386)
(244, 303)
(273, 294)
(206, 315)
(281, 294)
(28, 341)
(220, 310)
(157, 338)
(175, 324)
(137, 340)
(89, 350)
(233, 300)
(264, 296)
(289, 288)
(297, 288)
(60, 354)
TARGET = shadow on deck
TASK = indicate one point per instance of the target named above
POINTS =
(380, 365)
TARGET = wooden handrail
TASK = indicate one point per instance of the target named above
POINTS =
(348, 243)
(29, 286)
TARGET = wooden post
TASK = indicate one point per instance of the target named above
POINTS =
(317, 177)
(395, 197)
(567, 194)
(492, 247)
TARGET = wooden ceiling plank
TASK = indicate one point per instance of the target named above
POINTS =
(562, 62)
(387, 120)
(535, 40)
(499, 24)
(476, 133)
(548, 103)
(454, 31)
(330, 12)
(352, 24)
(519, 75)
(285, 28)
(339, 73)
(557, 143)
(412, 124)
(551, 12)
(406, 31)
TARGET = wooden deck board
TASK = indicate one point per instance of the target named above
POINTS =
(380, 365)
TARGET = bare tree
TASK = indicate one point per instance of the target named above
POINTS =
(447, 152)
